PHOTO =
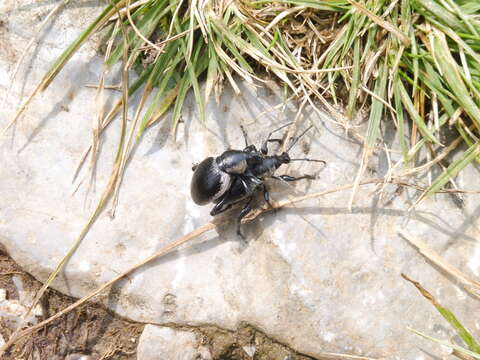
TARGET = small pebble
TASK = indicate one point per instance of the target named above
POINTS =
(249, 350)
(3, 294)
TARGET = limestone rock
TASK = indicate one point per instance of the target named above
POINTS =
(159, 342)
(316, 276)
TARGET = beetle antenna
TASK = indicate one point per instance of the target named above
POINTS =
(312, 160)
(297, 138)
(280, 128)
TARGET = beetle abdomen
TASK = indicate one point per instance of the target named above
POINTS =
(208, 182)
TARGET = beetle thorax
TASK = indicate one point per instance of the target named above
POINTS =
(232, 162)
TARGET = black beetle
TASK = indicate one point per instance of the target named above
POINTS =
(236, 175)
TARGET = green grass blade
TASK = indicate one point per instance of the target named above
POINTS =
(352, 99)
(407, 102)
(451, 72)
(147, 24)
(102, 19)
(452, 171)
(401, 122)
(448, 344)
(191, 65)
(431, 8)
(165, 80)
(377, 106)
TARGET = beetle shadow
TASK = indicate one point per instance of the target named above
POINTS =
(388, 135)
(459, 232)
(197, 246)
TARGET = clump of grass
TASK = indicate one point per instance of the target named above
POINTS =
(414, 62)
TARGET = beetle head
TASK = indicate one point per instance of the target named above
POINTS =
(284, 158)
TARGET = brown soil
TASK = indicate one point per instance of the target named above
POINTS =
(95, 331)
(230, 345)
(88, 330)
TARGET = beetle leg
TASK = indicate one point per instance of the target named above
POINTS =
(291, 178)
(249, 182)
(221, 205)
(264, 148)
(242, 180)
(246, 209)
(266, 196)
(217, 209)
(252, 178)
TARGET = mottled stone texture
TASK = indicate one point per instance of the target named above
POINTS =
(317, 277)
(159, 342)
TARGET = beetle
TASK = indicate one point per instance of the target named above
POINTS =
(237, 175)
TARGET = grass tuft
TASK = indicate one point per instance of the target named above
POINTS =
(413, 62)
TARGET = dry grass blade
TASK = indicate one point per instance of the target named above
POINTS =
(339, 356)
(100, 105)
(449, 345)
(385, 24)
(469, 284)
(453, 145)
(461, 355)
(62, 263)
(137, 31)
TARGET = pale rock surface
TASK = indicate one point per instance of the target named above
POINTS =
(317, 277)
(13, 309)
(77, 356)
(159, 342)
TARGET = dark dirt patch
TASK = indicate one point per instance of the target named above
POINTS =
(88, 330)
(229, 345)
